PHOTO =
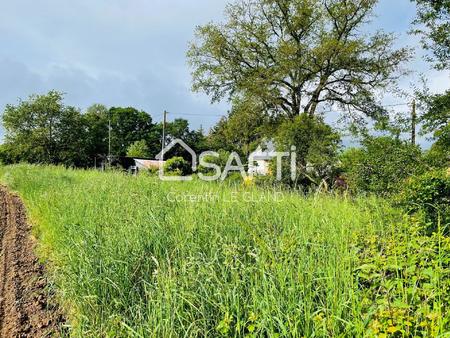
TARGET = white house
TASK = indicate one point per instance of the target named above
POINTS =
(259, 160)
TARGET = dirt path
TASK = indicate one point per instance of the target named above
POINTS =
(25, 309)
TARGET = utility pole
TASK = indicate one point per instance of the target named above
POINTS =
(163, 142)
(413, 123)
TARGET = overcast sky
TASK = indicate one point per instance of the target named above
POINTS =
(130, 52)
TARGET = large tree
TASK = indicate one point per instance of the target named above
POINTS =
(294, 55)
(96, 121)
(433, 23)
(129, 125)
(43, 130)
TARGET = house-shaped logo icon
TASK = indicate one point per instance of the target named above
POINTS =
(166, 149)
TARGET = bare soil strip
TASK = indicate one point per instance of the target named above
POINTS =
(26, 309)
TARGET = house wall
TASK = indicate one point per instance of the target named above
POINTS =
(259, 167)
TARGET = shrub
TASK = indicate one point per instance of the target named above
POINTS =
(382, 165)
(8, 154)
(430, 194)
(404, 281)
(177, 166)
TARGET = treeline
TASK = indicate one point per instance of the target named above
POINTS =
(42, 129)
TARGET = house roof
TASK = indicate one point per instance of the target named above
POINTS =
(148, 163)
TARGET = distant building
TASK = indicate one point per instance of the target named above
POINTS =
(134, 165)
(259, 160)
(142, 164)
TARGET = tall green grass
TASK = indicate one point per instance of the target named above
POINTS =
(128, 260)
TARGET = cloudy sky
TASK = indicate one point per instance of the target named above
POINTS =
(130, 52)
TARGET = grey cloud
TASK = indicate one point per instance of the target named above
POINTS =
(113, 52)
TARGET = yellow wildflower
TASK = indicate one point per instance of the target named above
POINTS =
(392, 329)
(252, 317)
(433, 316)
(249, 181)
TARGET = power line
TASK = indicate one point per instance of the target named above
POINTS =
(397, 104)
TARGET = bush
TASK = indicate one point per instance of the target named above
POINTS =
(177, 166)
(404, 281)
(382, 165)
(430, 194)
(8, 155)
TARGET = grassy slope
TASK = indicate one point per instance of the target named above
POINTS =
(129, 262)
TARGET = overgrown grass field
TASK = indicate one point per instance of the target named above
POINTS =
(134, 256)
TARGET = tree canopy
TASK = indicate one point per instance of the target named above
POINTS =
(437, 115)
(294, 55)
(129, 125)
(96, 138)
(43, 130)
(433, 23)
(436, 120)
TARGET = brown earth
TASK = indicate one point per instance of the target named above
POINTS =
(26, 306)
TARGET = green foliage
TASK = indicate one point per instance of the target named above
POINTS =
(443, 140)
(439, 154)
(96, 138)
(404, 281)
(7, 154)
(316, 145)
(179, 129)
(437, 115)
(220, 161)
(138, 149)
(433, 21)
(129, 125)
(436, 120)
(429, 193)
(177, 166)
(294, 55)
(382, 165)
(43, 130)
